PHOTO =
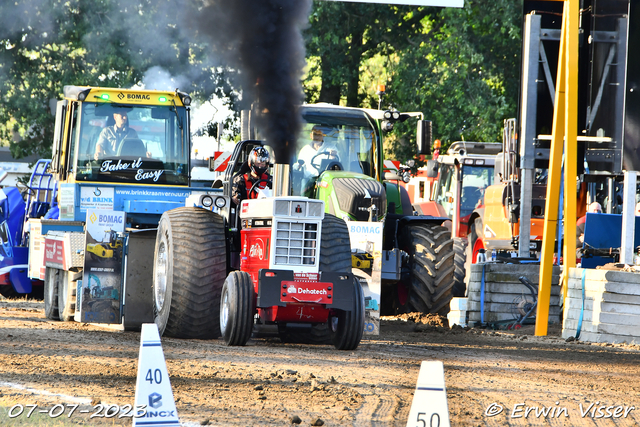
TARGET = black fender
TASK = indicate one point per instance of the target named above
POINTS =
(478, 213)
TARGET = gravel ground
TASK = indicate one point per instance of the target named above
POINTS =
(493, 378)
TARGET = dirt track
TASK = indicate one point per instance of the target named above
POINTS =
(269, 383)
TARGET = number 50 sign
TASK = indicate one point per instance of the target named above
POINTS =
(429, 407)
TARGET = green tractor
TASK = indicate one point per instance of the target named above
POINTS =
(412, 267)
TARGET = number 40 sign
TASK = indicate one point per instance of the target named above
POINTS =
(429, 407)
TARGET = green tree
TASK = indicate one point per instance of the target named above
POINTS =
(462, 72)
(45, 45)
(460, 67)
(344, 36)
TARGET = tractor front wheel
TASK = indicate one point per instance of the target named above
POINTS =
(51, 285)
(347, 327)
(190, 264)
(66, 296)
(335, 255)
(428, 286)
(236, 308)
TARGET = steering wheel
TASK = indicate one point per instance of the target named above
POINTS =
(326, 153)
(258, 182)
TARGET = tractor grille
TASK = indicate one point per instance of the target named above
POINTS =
(296, 243)
(299, 208)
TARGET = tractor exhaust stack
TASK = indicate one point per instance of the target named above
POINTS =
(281, 180)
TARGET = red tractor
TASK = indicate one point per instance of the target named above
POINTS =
(287, 263)
(454, 185)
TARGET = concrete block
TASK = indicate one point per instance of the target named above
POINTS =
(511, 272)
(508, 278)
(507, 288)
(605, 307)
(607, 297)
(620, 319)
(577, 303)
(590, 295)
(457, 318)
(606, 276)
(612, 287)
(603, 328)
(507, 298)
(574, 314)
(600, 338)
(458, 304)
(474, 316)
(505, 308)
(490, 306)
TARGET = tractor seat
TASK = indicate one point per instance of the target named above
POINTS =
(244, 168)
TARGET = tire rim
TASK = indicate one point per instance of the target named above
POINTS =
(333, 323)
(50, 288)
(63, 296)
(224, 310)
(402, 293)
(160, 279)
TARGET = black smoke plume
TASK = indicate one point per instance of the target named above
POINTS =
(262, 39)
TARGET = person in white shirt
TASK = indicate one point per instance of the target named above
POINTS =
(313, 154)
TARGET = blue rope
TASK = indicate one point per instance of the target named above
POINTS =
(584, 275)
(482, 296)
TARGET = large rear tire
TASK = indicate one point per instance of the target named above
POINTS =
(51, 285)
(459, 285)
(190, 264)
(237, 308)
(66, 297)
(348, 326)
(335, 255)
(428, 289)
(335, 246)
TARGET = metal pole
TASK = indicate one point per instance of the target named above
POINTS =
(564, 127)
(527, 135)
(628, 218)
(611, 195)
(281, 180)
(570, 143)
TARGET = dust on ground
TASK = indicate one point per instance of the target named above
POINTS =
(60, 365)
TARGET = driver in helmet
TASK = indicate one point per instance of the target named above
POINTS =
(241, 186)
(312, 155)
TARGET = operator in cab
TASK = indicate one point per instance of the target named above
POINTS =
(242, 184)
(311, 156)
(113, 137)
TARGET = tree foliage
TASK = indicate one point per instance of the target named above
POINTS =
(460, 67)
(45, 45)
(346, 35)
